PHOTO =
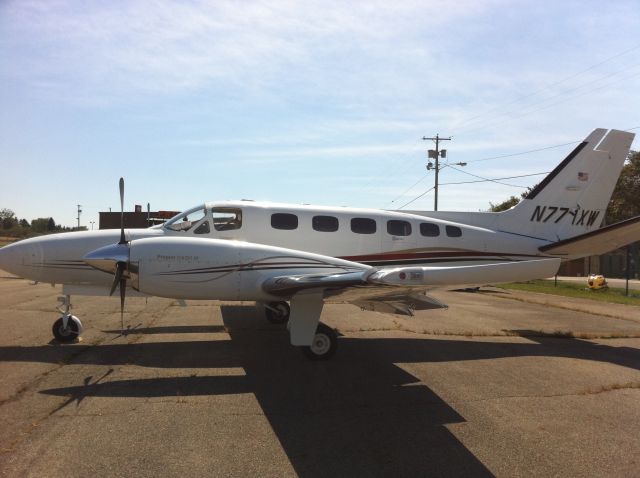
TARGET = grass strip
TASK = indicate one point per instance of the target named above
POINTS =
(576, 290)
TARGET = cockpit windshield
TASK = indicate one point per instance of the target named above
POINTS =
(188, 219)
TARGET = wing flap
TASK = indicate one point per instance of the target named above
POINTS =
(597, 242)
(399, 304)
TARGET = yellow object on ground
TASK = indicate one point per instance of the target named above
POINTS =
(597, 282)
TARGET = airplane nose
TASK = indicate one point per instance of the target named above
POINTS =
(7, 258)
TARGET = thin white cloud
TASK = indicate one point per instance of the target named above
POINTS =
(155, 46)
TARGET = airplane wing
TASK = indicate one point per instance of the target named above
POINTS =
(597, 242)
(401, 290)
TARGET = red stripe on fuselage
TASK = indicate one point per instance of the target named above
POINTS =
(386, 256)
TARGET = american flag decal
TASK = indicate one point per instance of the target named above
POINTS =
(583, 176)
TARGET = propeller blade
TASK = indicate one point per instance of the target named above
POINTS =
(122, 239)
(117, 277)
(123, 291)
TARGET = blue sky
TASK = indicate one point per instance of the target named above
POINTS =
(304, 102)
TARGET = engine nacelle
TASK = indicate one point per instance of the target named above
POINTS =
(197, 268)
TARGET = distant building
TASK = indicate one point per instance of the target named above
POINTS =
(134, 220)
(613, 264)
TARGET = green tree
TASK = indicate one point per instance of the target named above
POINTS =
(504, 205)
(625, 201)
(8, 218)
(40, 224)
(509, 203)
(51, 225)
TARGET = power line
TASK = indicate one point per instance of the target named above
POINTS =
(527, 110)
(478, 181)
(486, 179)
(536, 150)
(523, 152)
(551, 85)
(497, 179)
(417, 197)
(408, 189)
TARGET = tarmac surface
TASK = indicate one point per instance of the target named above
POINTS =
(499, 384)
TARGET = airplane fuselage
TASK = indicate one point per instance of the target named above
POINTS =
(366, 236)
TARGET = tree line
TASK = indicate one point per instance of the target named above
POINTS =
(11, 226)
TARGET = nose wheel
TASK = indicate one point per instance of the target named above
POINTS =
(68, 327)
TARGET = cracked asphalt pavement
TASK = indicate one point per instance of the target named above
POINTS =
(493, 386)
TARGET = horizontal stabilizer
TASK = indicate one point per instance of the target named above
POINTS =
(597, 242)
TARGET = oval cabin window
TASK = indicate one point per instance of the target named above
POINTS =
(454, 231)
(284, 221)
(429, 229)
(325, 223)
(363, 225)
(398, 228)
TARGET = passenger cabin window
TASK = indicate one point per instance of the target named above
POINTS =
(398, 228)
(325, 223)
(454, 231)
(284, 221)
(429, 229)
(363, 225)
(226, 219)
(185, 221)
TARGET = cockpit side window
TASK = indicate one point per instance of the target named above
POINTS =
(226, 219)
(203, 228)
(186, 220)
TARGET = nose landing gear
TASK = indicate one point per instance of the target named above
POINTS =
(68, 327)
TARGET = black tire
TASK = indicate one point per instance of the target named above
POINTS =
(281, 313)
(67, 335)
(325, 344)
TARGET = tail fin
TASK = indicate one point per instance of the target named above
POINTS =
(573, 198)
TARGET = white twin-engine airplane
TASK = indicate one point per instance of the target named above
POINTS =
(292, 259)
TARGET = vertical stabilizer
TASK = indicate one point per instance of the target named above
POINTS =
(573, 198)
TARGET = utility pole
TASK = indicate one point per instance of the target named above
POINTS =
(79, 212)
(436, 154)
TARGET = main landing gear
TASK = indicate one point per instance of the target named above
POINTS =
(318, 345)
(68, 327)
(324, 345)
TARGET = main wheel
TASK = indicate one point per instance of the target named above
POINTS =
(68, 334)
(324, 344)
(277, 312)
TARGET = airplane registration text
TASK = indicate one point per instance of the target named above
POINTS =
(578, 217)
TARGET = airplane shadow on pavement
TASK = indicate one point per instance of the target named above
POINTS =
(356, 414)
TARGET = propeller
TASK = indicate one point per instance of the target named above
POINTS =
(121, 266)
(114, 259)
(122, 238)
